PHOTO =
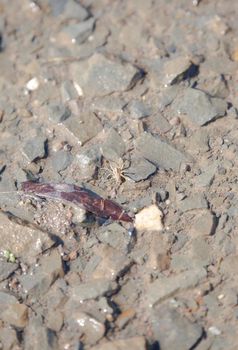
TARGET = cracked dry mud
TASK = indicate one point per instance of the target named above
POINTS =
(138, 102)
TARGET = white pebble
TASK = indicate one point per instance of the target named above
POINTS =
(214, 330)
(32, 84)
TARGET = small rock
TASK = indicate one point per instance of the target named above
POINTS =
(39, 281)
(83, 127)
(167, 96)
(165, 287)
(38, 337)
(173, 331)
(99, 76)
(22, 241)
(9, 339)
(75, 10)
(114, 235)
(114, 147)
(34, 149)
(204, 224)
(139, 169)
(199, 141)
(125, 317)
(214, 330)
(55, 320)
(85, 164)
(112, 263)
(81, 323)
(159, 152)
(16, 315)
(78, 32)
(149, 219)
(134, 343)
(200, 252)
(6, 299)
(68, 91)
(92, 289)
(195, 201)
(61, 160)
(32, 84)
(137, 109)
(57, 112)
(200, 107)
(206, 178)
(6, 269)
(109, 104)
(177, 69)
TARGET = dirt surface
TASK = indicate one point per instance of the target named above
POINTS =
(136, 101)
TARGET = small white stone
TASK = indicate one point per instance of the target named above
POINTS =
(149, 219)
(214, 330)
(78, 89)
(32, 84)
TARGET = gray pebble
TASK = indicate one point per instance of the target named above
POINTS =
(68, 91)
(57, 112)
(137, 109)
(174, 331)
(195, 201)
(6, 269)
(114, 235)
(61, 160)
(38, 337)
(140, 169)
(114, 147)
(99, 76)
(163, 288)
(176, 69)
(91, 290)
(132, 343)
(79, 32)
(200, 107)
(74, 9)
(36, 284)
(83, 127)
(35, 148)
(159, 152)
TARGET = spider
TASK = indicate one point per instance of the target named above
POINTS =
(117, 169)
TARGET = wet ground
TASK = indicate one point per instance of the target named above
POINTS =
(136, 101)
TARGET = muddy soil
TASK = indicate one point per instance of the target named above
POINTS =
(136, 101)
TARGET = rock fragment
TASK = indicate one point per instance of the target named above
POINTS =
(83, 127)
(134, 343)
(22, 241)
(139, 169)
(165, 287)
(204, 224)
(200, 107)
(78, 32)
(61, 160)
(57, 112)
(8, 339)
(92, 289)
(35, 148)
(195, 201)
(15, 315)
(36, 284)
(114, 147)
(177, 69)
(173, 331)
(38, 337)
(138, 109)
(160, 153)
(112, 263)
(81, 323)
(99, 76)
(6, 269)
(149, 219)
